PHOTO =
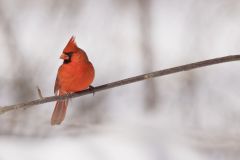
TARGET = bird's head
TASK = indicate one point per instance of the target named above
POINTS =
(72, 53)
(69, 50)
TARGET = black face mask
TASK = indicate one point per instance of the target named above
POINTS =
(69, 54)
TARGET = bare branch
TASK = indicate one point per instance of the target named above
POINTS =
(142, 77)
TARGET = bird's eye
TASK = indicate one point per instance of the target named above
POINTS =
(68, 53)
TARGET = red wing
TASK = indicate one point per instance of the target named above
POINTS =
(57, 85)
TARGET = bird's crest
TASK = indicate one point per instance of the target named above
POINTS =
(71, 46)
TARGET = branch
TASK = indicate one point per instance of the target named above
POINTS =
(142, 77)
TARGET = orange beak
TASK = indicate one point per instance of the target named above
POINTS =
(64, 56)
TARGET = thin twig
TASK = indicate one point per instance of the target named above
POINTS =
(142, 77)
(39, 93)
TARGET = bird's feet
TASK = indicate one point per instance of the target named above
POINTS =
(91, 88)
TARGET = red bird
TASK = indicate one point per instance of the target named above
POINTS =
(75, 74)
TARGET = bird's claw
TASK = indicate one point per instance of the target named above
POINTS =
(91, 88)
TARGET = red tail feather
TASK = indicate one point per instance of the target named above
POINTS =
(59, 112)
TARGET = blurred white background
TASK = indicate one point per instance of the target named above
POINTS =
(191, 115)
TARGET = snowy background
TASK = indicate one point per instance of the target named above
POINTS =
(193, 115)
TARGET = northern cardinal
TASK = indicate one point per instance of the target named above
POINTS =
(75, 74)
